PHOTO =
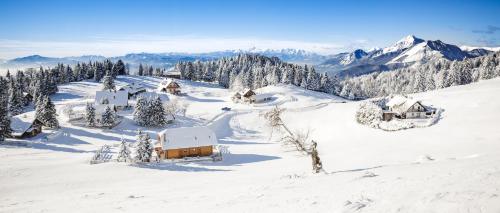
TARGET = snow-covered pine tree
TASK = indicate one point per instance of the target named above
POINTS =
(4, 115)
(108, 117)
(158, 114)
(90, 114)
(144, 149)
(141, 114)
(15, 99)
(124, 152)
(108, 83)
(119, 68)
(46, 112)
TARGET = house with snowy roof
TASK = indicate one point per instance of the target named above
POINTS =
(248, 96)
(170, 86)
(118, 99)
(404, 107)
(185, 142)
(25, 125)
(133, 89)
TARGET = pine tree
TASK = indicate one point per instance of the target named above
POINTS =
(90, 115)
(46, 112)
(141, 70)
(144, 149)
(119, 68)
(124, 152)
(158, 114)
(108, 83)
(15, 99)
(141, 113)
(4, 115)
(108, 117)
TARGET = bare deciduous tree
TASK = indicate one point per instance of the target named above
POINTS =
(298, 139)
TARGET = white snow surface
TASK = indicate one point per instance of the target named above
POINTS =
(452, 166)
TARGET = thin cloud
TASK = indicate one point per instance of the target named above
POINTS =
(490, 29)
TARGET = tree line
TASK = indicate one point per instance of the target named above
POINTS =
(34, 86)
(255, 71)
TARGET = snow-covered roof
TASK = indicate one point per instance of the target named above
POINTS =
(133, 88)
(168, 83)
(248, 92)
(187, 137)
(21, 123)
(151, 95)
(401, 104)
(118, 98)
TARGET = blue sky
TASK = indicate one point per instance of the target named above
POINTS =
(108, 27)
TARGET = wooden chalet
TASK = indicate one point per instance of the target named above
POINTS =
(170, 86)
(185, 142)
(25, 125)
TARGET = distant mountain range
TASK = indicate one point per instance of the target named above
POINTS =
(405, 52)
(165, 60)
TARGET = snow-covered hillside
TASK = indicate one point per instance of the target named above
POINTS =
(449, 167)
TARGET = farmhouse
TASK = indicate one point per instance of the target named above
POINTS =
(25, 125)
(185, 142)
(170, 86)
(403, 107)
(119, 98)
(133, 89)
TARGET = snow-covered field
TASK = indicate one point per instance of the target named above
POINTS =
(453, 166)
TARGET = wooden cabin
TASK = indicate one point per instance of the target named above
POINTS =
(170, 86)
(249, 96)
(185, 142)
(25, 125)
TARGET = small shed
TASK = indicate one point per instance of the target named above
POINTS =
(249, 96)
(170, 86)
(119, 98)
(25, 125)
(185, 142)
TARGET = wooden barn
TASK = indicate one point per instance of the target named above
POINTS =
(25, 125)
(170, 86)
(185, 142)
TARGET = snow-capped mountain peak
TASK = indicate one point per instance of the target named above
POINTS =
(403, 44)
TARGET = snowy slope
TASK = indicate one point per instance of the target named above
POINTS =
(449, 167)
